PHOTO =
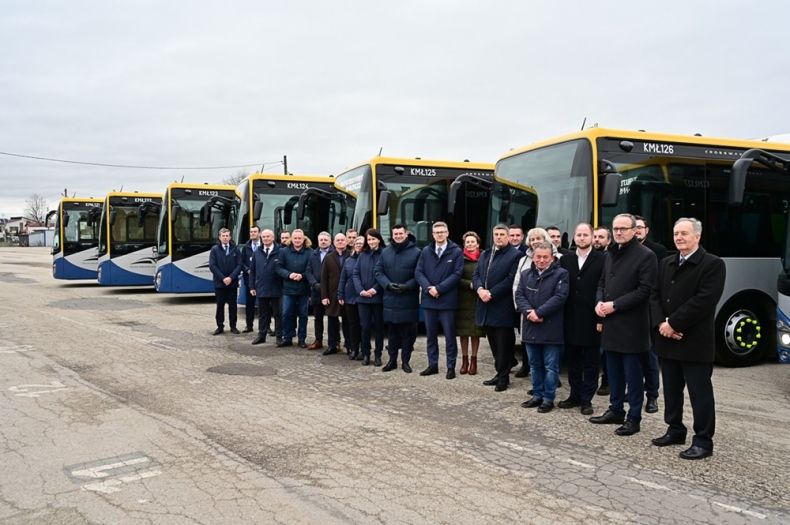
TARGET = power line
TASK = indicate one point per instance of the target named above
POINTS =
(84, 163)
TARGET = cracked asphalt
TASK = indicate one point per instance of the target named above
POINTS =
(118, 406)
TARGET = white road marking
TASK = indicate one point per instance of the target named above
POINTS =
(112, 485)
(35, 390)
(100, 471)
(647, 484)
(579, 463)
(740, 510)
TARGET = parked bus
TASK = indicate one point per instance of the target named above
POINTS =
(74, 254)
(597, 173)
(127, 239)
(417, 193)
(190, 218)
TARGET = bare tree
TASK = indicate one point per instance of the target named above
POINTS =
(36, 208)
(236, 178)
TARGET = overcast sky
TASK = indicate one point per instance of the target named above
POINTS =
(328, 84)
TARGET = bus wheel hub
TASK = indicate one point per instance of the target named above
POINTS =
(742, 332)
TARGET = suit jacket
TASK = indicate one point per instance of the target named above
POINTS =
(442, 272)
(313, 274)
(331, 269)
(658, 249)
(628, 278)
(263, 276)
(222, 265)
(580, 317)
(687, 295)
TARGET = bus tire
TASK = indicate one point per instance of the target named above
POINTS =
(743, 329)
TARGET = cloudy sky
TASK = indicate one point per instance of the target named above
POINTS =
(198, 83)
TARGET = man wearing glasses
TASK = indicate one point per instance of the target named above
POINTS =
(624, 304)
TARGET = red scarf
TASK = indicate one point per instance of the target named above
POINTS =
(472, 256)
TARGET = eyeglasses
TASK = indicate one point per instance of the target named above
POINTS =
(622, 229)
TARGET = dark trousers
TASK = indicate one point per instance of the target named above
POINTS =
(650, 366)
(677, 375)
(270, 307)
(501, 340)
(401, 337)
(227, 296)
(604, 373)
(445, 319)
(249, 308)
(344, 328)
(625, 371)
(318, 319)
(333, 331)
(582, 362)
(371, 319)
(351, 323)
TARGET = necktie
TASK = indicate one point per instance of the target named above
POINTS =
(268, 251)
(438, 252)
(254, 247)
(681, 260)
(227, 252)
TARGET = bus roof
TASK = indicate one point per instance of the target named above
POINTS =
(147, 195)
(424, 163)
(200, 186)
(81, 199)
(290, 177)
(595, 133)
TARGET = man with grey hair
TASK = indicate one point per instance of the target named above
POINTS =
(683, 308)
(624, 304)
(314, 280)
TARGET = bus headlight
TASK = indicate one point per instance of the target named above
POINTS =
(785, 338)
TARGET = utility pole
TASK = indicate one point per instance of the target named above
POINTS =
(285, 164)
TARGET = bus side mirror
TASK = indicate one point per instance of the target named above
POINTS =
(301, 206)
(610, 190)
(383, 206)
(65, 219)
(205, 214)
(257, 209)
(738, 180)
(174, 212)
(453, 195)
(113, 214)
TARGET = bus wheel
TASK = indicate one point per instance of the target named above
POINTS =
(741, 335)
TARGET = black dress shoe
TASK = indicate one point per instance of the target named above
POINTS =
(522, 372)
(586, 409)
(559, 383)
(501, 387)
(530, 392)
(547, 406)
(532, 402)
(669, 439)
(358, 356)
(365, 360)
(450, 373)
(234, 330)
(608, 418)
(406, 368)
(271, 332)
(247, 329)
(603, 391)
(282, 344)
(258, 340)
(431, 370)
(629, 428)
(569, 403)
(491, 382)
(695, 452)
(329, 351)
(392, 365)
(218, 331)
(377, 360)
(651, 407)
(302, 344)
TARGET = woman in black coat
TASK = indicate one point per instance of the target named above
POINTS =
(347, 297)
(369, 303)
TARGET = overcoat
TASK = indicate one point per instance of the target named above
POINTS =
(467, 299)
(495, 274)
(330, 281)
(346, 290)
(363, 276)
(262, 273)
(396, 265)
(580, 317)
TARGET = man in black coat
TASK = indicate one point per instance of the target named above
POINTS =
(267, 287)
(494, 310)
(624, 303)
(582, 339)
(313, 277)
(248, 250)
(683, 307)
(224, 261)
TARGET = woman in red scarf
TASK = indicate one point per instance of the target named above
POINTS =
(465, 315)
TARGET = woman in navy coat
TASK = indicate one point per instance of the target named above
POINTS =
(347, 295)
(369, 302)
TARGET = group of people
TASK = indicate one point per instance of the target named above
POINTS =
(615, 306)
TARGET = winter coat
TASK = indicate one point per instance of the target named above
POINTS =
(443, 272)
(628, 278)
(580, 317)
(498, 279)
(330, 281)
(545, 293)
(687, 296)
(222, 265)
(313, 274)
(364, 279)
(467, 299)
(346, 291)
(291, 261)
(396, 266)
(263, 276)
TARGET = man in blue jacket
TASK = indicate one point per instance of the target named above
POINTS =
(267, 287)
(438, 271)
(292, 267)
(493, 283)
(540, 298)
(247, 250)
(224, 261)
(395, 273)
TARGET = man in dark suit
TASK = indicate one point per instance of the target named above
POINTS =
(267, 287)
(683, 307)
(555, 236)
(248, 249)
(494, 310)
(624, 304)
(582, 338)
(224, 261)
(331, 269)
(314, 281)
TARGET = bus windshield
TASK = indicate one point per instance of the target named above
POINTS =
(561, 175)
(189, 236)
(126, 233)
(78, 230)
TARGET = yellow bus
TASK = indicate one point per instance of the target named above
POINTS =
(593, 175)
